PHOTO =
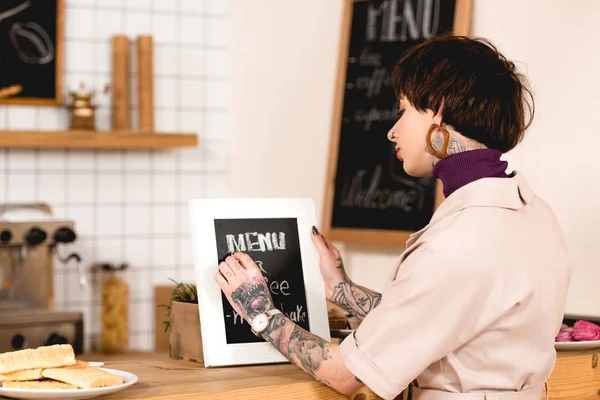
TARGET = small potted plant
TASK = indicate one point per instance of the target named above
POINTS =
(184, 323)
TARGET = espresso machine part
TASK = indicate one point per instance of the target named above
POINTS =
(10, 297)
(13, 292)
(66, 235)
(74, 256)
(34, 328)
(27, 257)
(30, 238)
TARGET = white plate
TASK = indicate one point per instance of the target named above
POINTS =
(71, 394)
(583, 345)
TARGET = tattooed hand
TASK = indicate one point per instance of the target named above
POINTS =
(339, 289)
(330, 263)
(244, 286)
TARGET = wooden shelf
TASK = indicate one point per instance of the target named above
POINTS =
(79, 139)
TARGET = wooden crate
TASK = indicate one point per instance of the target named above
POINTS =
(576, 376)
(186, 340)
(162, 296)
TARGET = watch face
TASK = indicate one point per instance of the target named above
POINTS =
(259, 323)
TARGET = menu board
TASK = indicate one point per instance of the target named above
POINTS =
(31, 51)
(276, 234)
(369, 198)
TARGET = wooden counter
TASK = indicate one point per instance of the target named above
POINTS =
(166, 379)
(576, 376)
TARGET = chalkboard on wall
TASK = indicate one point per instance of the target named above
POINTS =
(276, 234)
(31, 51)
(368, 196)
(274, 246)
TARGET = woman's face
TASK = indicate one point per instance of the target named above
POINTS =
(408, 135)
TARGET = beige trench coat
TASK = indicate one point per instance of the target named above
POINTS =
(474, 303)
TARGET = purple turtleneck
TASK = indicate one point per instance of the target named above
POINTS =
(459, 169)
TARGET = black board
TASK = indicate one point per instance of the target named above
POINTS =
(31, 50)
(274, 244)
(371, 191)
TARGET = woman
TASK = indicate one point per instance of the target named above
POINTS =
(473, 305)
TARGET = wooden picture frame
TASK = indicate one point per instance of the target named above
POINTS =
(59, 50)
(461, 26)
(221, 226)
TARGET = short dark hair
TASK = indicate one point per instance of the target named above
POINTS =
(483, 96)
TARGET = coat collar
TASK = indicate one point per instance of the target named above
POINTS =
(511, 193)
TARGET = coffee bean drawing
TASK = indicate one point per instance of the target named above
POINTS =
(32, 42)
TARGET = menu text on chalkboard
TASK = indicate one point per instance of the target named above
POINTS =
(274, 245)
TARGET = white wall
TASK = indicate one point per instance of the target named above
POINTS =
(130, 206)
(284, 57)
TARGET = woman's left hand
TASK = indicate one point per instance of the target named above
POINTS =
(243, 284)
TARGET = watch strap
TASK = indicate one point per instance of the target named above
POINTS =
(273, 311)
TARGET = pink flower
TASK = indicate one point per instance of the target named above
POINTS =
(565, 334)
(585, 330)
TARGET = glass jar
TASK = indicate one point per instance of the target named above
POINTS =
(115, 310)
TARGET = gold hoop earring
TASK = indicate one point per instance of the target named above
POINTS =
(444, 150)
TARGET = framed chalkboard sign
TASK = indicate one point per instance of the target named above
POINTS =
(276, 234)
(31, 51)
(368, 196)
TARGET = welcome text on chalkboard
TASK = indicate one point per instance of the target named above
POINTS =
(274, 245)
(31, 51)
(368, 196)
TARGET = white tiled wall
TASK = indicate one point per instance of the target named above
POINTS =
(131, 206)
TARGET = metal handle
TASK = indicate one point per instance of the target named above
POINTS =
(80, 271)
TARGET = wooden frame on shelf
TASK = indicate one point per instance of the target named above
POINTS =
(145, 83)
(81, 139)
(121, 85)
(461, 26)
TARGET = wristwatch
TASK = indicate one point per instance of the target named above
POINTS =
(260, 322)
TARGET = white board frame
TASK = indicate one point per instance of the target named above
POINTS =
(203, 212)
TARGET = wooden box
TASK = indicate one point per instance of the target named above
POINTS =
(186, 340)
(162, 336)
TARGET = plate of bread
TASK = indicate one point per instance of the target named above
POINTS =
(53, 372)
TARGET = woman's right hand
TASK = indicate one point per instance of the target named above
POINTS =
(331, 264)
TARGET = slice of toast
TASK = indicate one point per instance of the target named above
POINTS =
(42, 385)
(83, 377)
(34, 374)
(78, 364)
(25, 375)
(59, 355)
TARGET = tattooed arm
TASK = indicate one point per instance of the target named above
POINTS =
(339, 289)
(355, 299)
(314, 355)
(244, 286)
